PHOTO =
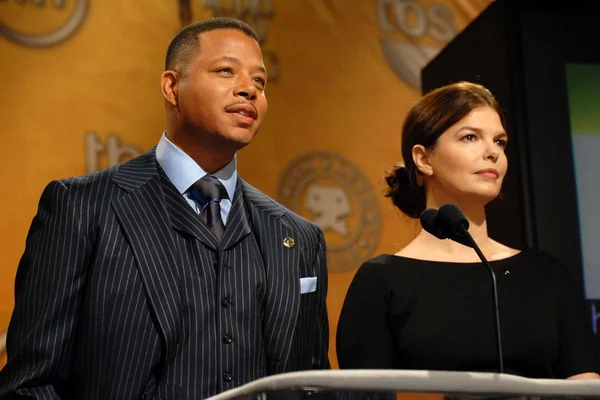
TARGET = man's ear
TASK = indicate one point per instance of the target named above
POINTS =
(169, 85)
(422, 159)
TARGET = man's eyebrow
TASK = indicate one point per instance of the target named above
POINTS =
(235, 60)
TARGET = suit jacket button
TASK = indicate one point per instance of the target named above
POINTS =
(227, 377)
(225, 302)
(227, 339)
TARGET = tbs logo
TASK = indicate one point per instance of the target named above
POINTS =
(412, 34)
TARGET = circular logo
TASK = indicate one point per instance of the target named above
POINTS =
(53, 36)
(413, 33)
(333, 193)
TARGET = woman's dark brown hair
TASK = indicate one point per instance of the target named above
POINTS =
(437, 111)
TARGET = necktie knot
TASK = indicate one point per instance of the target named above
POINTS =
(208, 189)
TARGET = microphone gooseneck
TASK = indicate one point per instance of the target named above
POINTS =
(449, 222)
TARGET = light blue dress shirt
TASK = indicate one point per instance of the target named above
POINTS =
(183, 172)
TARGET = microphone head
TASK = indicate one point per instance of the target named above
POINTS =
(453, 216)
(431, 223)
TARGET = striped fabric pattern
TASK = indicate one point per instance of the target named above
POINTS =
(101, 294)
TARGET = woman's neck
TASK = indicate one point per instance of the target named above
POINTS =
(473, 211)
(427, 246)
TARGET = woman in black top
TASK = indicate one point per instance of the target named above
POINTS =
(429, 306)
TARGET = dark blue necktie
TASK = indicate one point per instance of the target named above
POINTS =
(208, 192)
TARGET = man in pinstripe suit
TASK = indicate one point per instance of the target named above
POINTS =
(168, 276)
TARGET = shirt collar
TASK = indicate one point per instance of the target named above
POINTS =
(183, 171)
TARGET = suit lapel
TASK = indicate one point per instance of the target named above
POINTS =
(145, 224)
(282, 271)
(238, 225)
(183, 217)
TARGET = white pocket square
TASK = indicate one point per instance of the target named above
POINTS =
(308, 285)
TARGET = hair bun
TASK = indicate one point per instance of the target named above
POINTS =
(405, 194)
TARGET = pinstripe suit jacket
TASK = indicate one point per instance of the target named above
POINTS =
(97, 312)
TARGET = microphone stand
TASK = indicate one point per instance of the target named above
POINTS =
(463, 231)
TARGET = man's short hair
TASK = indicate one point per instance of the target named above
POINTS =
(185, 44)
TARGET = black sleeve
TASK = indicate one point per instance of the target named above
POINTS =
(48, 292)
(578, 352)
(363, 337)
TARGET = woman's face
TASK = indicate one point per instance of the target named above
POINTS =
(468, 159)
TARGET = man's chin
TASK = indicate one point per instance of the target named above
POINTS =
(240, 139)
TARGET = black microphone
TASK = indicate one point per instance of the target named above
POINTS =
(440, 228)
(450, 222)
(431, 223)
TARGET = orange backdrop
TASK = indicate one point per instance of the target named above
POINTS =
(80, 91)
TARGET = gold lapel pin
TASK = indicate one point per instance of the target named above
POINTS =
(289, 242)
